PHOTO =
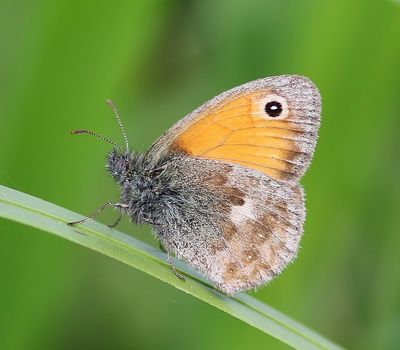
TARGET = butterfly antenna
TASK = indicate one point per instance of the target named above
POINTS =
(88, 132)
(121, 126)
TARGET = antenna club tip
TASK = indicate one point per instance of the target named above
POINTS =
(74, 132)
(109, 102)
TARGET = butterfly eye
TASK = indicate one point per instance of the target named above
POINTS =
(273, 109)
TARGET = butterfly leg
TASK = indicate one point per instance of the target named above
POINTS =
(173, 268)
(91, 217)
(116, 222)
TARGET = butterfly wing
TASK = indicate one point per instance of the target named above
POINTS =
(236, 162)
(269, 125)
(236, 226)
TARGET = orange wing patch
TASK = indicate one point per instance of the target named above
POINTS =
(240, 131)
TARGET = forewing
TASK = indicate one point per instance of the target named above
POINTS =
(235, 128)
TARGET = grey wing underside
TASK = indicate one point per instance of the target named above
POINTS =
(239, 227)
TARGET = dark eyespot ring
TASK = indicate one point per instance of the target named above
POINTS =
(273, 109)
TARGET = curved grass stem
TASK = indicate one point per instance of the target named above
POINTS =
(32, 211)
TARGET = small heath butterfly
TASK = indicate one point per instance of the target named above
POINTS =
(221, 187)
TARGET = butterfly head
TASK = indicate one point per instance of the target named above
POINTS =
(119, 165)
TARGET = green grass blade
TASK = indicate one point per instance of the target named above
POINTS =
(51, 218)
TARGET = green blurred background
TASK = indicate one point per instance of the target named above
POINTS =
(158, 60)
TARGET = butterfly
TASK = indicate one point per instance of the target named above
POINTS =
(221, 187)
